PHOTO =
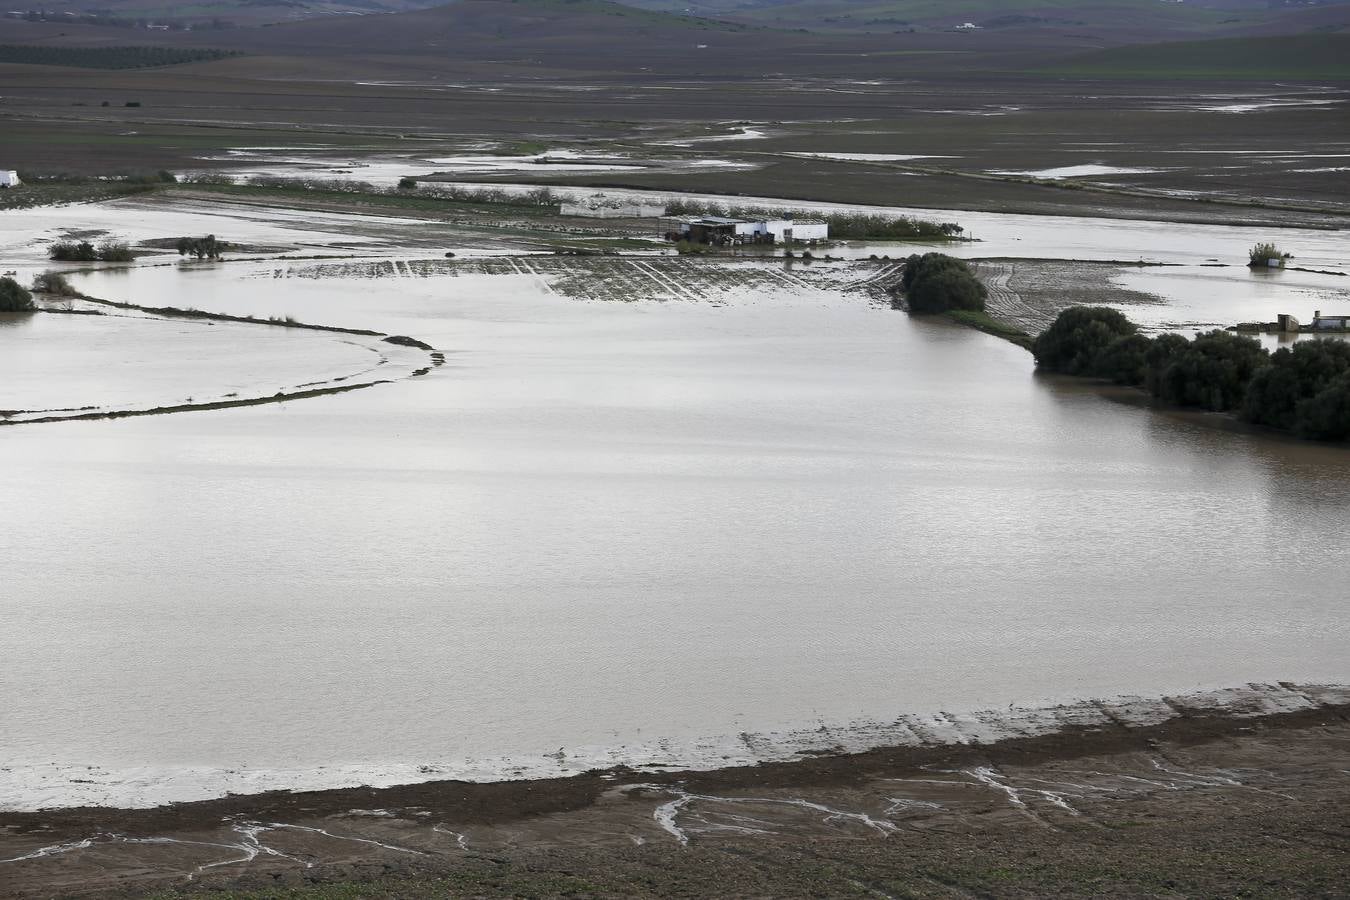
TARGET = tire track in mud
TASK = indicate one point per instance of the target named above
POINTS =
(1005, 304)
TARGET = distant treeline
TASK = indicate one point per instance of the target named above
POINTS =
(843, 225)
(108, 57)
(1303, 389)
(107, 21)
(542, 196)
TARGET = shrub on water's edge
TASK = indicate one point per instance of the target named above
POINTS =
(1261, 255)
(1212, 372)
(53, 283)
(114, 251)
(1326, 416)
(936, 282)
(1123, 360)
(1303, 389)
(13, 296)
(1071, 345)
(72, 251)
(1289, 393)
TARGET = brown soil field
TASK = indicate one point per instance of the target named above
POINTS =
(438, 81)
(1029, 294)
(1244, 802)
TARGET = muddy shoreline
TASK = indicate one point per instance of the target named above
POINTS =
(861, 813)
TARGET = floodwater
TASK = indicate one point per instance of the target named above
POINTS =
(610, 532)
(67, 363)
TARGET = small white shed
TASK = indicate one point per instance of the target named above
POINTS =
(787, 231)
(9, 178)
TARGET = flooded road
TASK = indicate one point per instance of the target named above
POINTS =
(610, 532)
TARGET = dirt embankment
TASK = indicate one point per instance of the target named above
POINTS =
(1209, 802)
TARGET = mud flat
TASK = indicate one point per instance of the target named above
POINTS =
(1214, 793)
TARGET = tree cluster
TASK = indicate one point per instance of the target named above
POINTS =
(202, 248)
(82, 251)
(108, 57)
(13, 296)
(936, 282)
(1304, 389)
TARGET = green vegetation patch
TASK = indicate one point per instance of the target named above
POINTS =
(1304, 389)
(108, 57)
(938, 283)
(14, 297)
(1320, 56)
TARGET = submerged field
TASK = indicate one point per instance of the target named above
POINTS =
(656, 518)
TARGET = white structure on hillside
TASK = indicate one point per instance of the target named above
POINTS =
(600, 206)
(9, 178)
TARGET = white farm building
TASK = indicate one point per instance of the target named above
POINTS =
(9, 178)
(724, 231)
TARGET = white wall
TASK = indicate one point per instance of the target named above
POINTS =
(8, 178)
(801, 231)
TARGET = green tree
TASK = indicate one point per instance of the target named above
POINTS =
(1164, 349)
(202, 248)
(70, 251)
(1212, 372)
(1326, 416)
(13, 296)
(110, 250)
(936, 282)
(1123, 360)
(1296, 375)
(1070, 346)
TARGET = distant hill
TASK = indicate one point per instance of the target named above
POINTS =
(1321, 57)
(1140, 18)
(1144, 19)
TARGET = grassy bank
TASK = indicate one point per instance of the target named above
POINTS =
(982, 321)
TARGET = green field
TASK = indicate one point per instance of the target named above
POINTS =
(1308, 56)
(108, 57)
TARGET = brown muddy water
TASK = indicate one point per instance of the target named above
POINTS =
(657, 532)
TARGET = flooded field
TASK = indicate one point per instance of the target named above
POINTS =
(59, 366)
(610, 531)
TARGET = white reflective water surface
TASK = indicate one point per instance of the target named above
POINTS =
(608, 524)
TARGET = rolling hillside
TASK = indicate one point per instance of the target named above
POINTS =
(1142, 19)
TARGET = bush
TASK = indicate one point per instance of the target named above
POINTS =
(13, 296)
(1161, 352)
(1261, 255)
(110, 250)
(407, 184)
(53, 283)
(1326, 416)
(1212, 372)
(1281, 395)
(1071, 345)
(70, 251)
(686, 248)
(936, 282)
(202, 248)
(1123, 360)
